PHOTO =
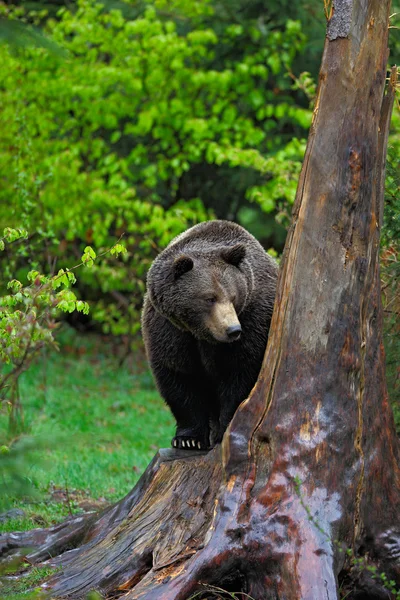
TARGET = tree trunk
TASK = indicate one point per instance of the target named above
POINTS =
(302, 499)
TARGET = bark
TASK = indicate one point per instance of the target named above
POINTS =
(302, 499)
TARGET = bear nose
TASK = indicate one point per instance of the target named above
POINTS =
(233, 332)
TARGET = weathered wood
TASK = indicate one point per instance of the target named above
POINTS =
(309, 467)
(118, 546)
(48, 544)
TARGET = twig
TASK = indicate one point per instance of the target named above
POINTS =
(328, 9)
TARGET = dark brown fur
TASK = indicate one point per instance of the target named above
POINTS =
(202, 272)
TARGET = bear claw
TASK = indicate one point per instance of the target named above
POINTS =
(188, 444)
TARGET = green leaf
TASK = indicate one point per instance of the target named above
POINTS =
(14, 285)
(32, 275)
(88, 256)
(118, 249)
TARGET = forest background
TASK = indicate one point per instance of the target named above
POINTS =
(122, 123)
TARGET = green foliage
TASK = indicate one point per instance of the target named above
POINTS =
(214, 592)
(93, 596)
(16, 460)
(28, 318)
(138, 131)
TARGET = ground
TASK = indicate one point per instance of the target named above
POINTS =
(98, 424)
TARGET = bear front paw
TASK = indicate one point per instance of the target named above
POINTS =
(184, 442)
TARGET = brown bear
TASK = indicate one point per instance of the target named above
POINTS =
(206, 316)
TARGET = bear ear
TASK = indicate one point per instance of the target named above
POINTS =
(234, 255)
(182, 264)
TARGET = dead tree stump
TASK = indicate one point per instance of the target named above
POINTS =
(303, 496)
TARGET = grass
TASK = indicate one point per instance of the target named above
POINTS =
(91, 427)
(24, 587)
(98, 425)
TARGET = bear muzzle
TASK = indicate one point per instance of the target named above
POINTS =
(223, 323)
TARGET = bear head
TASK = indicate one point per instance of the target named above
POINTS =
(203, 292)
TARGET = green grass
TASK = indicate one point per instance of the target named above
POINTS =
(24, 586)
(98, 425)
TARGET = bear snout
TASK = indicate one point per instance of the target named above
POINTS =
(223, 323)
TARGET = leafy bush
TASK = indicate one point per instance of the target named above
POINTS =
(151, 124)
(27, 321)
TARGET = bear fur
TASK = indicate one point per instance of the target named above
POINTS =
(206, 316)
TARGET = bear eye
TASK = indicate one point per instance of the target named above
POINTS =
(211, 300)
